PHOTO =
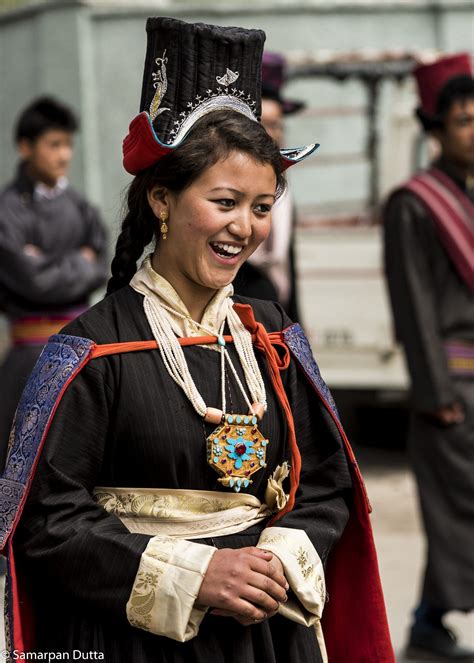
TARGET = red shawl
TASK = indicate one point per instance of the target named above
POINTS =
(453, 214)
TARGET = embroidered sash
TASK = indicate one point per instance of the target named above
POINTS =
(169, 515)
(183, 514)
(460, 357)
(453, 214)
(35, 328)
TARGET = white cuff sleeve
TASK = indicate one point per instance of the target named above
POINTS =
(305, 575)
(168, 580)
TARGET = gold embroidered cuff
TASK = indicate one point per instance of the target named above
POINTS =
(168, 580)
(305, 574)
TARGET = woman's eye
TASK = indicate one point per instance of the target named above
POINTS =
(225, 202)
(263, 209)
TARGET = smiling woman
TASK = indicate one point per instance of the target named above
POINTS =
(216, 191)
(178, 476)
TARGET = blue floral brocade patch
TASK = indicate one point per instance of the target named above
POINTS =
(300, 348)
(60, 359)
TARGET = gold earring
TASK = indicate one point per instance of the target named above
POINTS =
(164, 225)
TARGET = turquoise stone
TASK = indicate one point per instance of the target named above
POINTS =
(215, 459)
(230, 419)
(221, 341)
(246, 483)
(254, 420)
(231, 482)
(246, 420)
(238, 419)
(264, 443)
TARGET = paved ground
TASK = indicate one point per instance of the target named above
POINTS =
(399, 542)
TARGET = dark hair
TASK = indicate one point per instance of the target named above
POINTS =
(212, 138)
(41, 115)
(459, 88)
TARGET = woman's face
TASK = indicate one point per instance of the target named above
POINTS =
(215, 224)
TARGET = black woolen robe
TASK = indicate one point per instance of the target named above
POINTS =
(432, 305)
(124, 422)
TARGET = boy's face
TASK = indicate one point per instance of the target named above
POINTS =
(49, 156)
(457, 135)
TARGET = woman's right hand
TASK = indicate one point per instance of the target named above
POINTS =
(243, 583)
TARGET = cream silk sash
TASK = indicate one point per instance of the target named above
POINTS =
(182, 514)
(172, 516)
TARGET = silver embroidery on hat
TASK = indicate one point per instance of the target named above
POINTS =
(228, 78)
(213, 103)
(160, 83)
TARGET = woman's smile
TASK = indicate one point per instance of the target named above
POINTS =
(226, 253)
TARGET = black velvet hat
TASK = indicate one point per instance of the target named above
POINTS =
(192, 69)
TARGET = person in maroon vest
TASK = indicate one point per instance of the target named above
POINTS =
(429, 239)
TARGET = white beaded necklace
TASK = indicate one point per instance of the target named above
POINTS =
(175, 361)
(246, 451)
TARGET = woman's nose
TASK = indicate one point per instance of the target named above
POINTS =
(241, 226)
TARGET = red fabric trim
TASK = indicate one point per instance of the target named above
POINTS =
(353, 581)
(453, 214)
(140, 147)
(136, 346)
(447, 182)
(22, 629)
(263, 342)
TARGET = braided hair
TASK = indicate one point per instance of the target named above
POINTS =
(212, 139)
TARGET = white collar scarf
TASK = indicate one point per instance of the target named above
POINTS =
(154, 286)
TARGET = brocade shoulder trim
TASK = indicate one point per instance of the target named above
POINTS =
(59, 361)
(299, 346)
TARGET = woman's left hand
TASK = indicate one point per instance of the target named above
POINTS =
(245, 621)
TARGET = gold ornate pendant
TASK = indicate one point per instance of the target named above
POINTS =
(236, 449)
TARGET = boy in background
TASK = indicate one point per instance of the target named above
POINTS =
(52, 247)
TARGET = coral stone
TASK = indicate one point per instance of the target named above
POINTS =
(240, 449)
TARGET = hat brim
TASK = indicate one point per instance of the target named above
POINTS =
(290, 106)
(142, 148)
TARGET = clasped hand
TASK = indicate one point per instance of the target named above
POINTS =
(247, 584)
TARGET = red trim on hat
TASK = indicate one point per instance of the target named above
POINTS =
(141, 148)
(431, 78)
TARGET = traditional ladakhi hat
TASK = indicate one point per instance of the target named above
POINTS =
(431, 78)
(192, 69)
(273, 79)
